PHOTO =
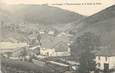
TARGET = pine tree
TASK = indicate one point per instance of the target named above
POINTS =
(87, 62)
(87, 43)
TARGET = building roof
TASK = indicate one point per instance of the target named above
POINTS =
(105, 52)
(57, 63)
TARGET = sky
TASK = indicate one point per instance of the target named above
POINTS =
(78, 6)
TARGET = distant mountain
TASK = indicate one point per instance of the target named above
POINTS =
(42, 14)
(100, 20)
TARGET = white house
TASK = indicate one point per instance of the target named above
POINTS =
(51, 32)
(52, 52)
(54, 46)
(47, 52)
(104, 61)
(105, 58)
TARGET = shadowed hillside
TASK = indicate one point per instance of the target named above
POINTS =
(102, 24)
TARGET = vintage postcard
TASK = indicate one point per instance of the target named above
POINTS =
(57, 36)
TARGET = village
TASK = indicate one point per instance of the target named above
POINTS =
(47, 52)
(41, 38)
(42, 49)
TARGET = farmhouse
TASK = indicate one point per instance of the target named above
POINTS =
(55, 46)
(105, 58)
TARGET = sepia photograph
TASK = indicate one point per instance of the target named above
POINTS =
(57, 36)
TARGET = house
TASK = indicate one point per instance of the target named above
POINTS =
(59, 50)
(47, 52)
(54, 46)
(105, 59)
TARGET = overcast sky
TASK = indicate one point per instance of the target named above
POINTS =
(81, 9)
